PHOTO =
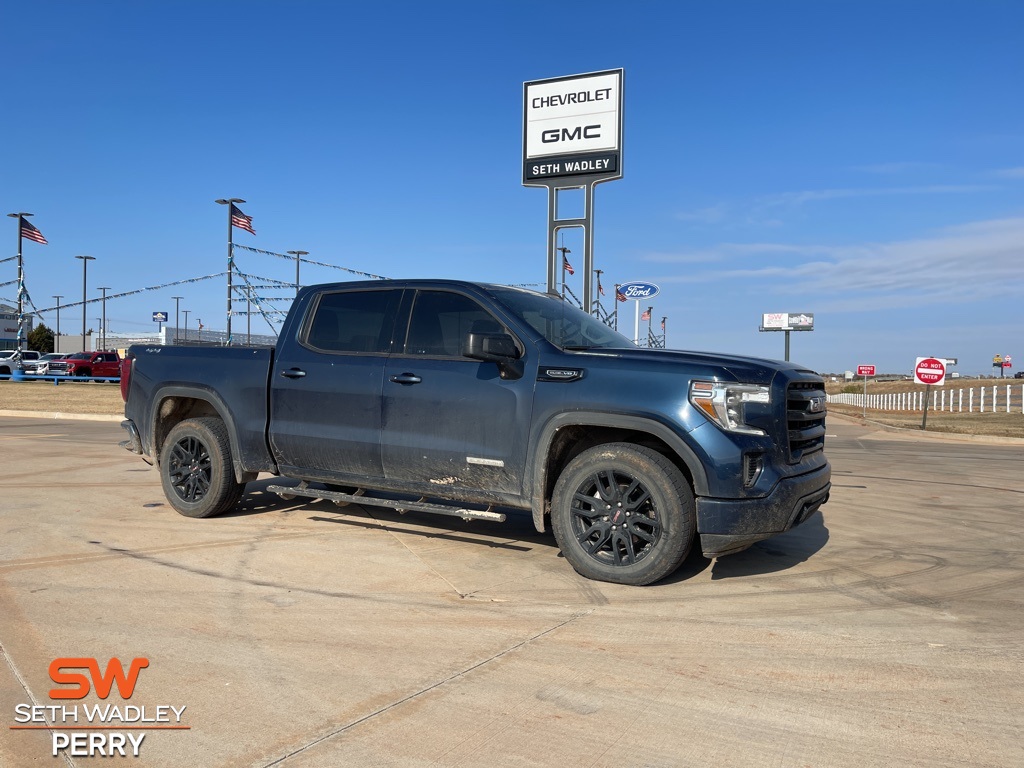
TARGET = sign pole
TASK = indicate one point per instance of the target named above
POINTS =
(864, 401)
(927, 392)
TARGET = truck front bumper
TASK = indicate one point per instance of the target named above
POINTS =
(731, 525)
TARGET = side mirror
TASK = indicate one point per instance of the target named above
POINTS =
(497, 348)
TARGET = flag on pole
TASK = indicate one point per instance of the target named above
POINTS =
(240, 220)
(646, 315)
(663, 325)
(567, 266)
(600, 288)
(29, 232)
(619, 295)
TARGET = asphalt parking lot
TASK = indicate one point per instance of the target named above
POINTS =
(885, 631)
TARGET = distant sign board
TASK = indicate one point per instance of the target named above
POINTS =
(159, 317)
(572, 126)
(865, 370)
(930, 370)
(787, 321)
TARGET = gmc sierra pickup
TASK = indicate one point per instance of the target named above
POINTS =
(462, 398)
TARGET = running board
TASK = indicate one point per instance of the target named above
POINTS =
(358, 497)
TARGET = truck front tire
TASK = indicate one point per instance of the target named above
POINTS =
(623, 513)
(196, 468)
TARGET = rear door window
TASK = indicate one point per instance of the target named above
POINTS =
(353, 321)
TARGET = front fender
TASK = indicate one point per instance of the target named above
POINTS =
(540, 447)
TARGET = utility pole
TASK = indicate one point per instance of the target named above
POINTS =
(298, 260)
(85, 293)
(56, 340)
(177, 300)
(103, 322)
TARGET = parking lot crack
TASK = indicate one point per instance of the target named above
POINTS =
(428, 688)
(28, 692)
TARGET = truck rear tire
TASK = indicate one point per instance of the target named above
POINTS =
(623, 513)
(196, 470)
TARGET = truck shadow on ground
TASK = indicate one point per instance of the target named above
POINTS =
(517, 533)
(778, 553)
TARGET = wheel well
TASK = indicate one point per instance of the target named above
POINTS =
(174, 410)
(571, 441)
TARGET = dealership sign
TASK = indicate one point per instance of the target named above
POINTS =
(638, 290)
(572, 126)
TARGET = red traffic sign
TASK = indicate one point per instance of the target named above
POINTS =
(929, 370)
(865, 370)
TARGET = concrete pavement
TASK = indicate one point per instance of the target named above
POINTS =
(885, 631)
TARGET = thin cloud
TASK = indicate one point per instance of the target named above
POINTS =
(710, 215)
(1010, 173)
(892, 169)
(972, 262)
(797, 199)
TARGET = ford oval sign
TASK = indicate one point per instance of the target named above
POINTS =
(638, 290)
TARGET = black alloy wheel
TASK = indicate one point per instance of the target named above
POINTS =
(623, 513)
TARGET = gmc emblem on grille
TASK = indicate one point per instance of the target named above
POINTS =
(817, 404)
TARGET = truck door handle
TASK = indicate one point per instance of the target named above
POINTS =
(406, 378)
(293, 373)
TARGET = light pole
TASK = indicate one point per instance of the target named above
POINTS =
(103, 321)
(177, 299)
(186, 311)
(85, 296)
(298, 260)
(56, 341)
(230, 203)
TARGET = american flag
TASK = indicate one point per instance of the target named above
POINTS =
(567, 266)
(619, 295)
(240, 220)
(646, 315)
(600, 288)
(31, 233)
(663, 325)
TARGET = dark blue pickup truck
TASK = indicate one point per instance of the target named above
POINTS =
(462, 399)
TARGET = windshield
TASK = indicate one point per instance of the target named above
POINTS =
(557, 321)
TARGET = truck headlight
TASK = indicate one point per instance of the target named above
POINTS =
(726, 403)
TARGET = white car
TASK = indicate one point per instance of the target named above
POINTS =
(8, 364)
(43, 364)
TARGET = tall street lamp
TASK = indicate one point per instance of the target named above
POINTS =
(177, 299)
(56, 340)
(103, 321)
(298, 260)
(230, 203)
(85, 297)
(186, 311)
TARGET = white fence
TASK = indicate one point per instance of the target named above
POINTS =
(1002, 398)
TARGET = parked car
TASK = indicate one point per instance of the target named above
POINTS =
(1019, 375)
(9, 365)
(88, 364)
(42, 365)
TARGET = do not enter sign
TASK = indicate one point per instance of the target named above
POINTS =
(929, 370)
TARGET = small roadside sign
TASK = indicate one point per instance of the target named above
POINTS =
(865, 370)
(929, 371)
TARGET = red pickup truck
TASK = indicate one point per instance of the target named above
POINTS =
(88, 364)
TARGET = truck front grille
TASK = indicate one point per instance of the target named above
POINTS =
(805, 418)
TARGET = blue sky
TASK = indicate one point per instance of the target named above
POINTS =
(863, 161)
